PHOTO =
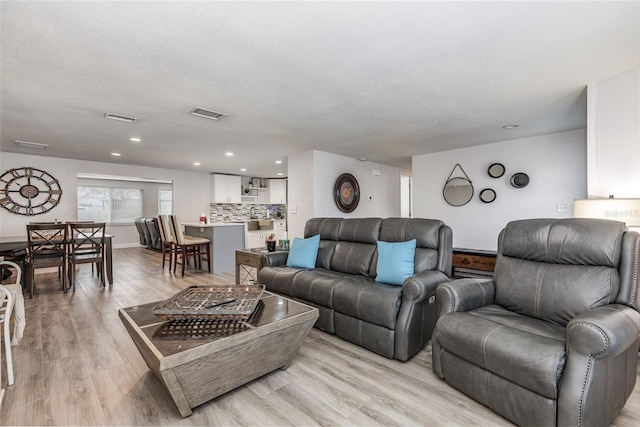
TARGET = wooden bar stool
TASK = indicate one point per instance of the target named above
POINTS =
(168, 240)
(189, 246)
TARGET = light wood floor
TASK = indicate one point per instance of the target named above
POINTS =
(78, 366)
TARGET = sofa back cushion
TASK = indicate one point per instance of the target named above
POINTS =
(353, 253)
(328, 229)
(425, 231)
(553, 269)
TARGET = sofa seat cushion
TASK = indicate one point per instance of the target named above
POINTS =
(365, 299)
(316, 286)
(521, 349)
(278, 279)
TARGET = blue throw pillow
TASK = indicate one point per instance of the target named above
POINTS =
(303, 252)
(395, 261)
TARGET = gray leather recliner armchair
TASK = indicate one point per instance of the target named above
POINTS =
(553, 338)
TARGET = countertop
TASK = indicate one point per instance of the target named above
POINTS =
(214, 224)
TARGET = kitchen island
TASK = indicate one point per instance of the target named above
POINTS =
(226, 239)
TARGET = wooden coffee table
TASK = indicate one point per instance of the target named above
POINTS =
(194, 371)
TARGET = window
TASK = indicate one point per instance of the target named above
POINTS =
(110, 205)
(165, 198)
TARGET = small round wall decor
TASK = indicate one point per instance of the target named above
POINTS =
(346, 192)
(29, 191)
(519, 180)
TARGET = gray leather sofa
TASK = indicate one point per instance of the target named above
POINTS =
(394, 321)
(552, 339)
(149, 232)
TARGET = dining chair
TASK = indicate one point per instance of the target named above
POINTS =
(86, 246)
(189, 246)
(6, 307)
(46, 247)
(80, 222)
(168, 240)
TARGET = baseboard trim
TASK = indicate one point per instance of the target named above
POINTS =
(127, 245)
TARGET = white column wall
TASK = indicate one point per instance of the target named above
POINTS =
(613, 138)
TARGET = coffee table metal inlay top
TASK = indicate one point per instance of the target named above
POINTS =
(196, 371)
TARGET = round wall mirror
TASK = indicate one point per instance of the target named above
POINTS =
(496, 170)
(457, 191)
(487, 195)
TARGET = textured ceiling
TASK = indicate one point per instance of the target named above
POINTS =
(383, 81)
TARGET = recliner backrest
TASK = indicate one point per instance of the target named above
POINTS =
(554, 269)
(431, 241)
(328, 229)
(141, 227)
(349, 245)
(356, 245)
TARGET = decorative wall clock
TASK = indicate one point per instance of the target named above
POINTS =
(346, 192)
(29, 191)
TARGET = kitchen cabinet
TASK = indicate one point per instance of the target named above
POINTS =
(280, 229)
(277, 191)
(256, 239)
(225, 189)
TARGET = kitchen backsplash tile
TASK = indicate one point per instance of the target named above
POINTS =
(242, 211)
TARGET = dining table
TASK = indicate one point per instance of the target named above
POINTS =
(12, 243)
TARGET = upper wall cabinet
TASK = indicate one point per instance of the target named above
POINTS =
(225, 188)
(277, 191)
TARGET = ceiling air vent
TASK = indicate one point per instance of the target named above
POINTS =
(208, 114)
(120, 118)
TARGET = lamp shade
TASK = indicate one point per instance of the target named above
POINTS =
(624, 210)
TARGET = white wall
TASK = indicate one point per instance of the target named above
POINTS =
(299, 192)
(312, 176)
(190, 189)
(613, 138)
(555, 163)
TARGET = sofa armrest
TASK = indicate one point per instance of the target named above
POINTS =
(603, 331)
(465, 294)
(418, 312)
(602, 359)
(421, 286)
(275, 259)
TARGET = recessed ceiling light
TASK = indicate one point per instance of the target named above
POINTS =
(228, 153)
(116, 154)
(135, 139)
(243, 170)
(279, 174)
(513, 126)
(278, 162)
(27, 144)
(196, 163)
(362, 159)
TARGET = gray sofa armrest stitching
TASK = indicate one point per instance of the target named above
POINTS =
(465, 294)
(604, 331)
(274, 259)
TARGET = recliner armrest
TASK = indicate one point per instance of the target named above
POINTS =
(275, 259)
(465, 294)
(603, 331)
(420, 286)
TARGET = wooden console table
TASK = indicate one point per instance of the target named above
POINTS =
(473, 263)
(246, 260)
